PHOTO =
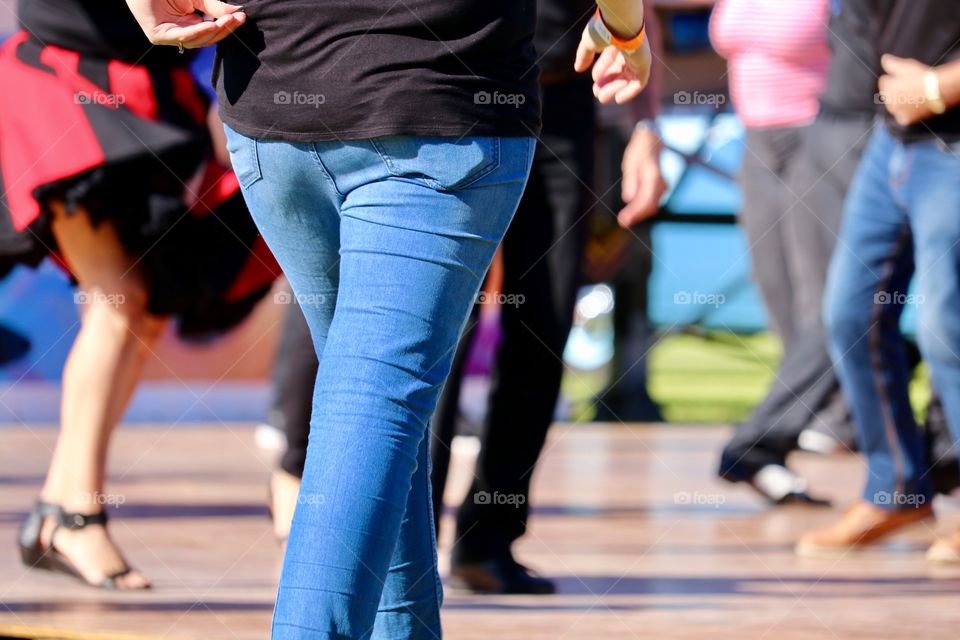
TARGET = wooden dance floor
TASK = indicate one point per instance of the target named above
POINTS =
(641, 538)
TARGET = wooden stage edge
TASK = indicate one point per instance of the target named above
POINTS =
(15, 632)
(641, 537)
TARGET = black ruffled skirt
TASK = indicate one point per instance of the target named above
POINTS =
(129, 144)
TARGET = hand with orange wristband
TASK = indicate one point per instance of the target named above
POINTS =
(617, 34)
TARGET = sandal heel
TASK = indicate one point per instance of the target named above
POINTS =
(31, 550)
(32, 557)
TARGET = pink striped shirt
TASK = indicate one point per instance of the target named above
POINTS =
(777, 57)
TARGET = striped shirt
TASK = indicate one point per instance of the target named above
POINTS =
(777, 56)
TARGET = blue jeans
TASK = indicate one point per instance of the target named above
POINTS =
(385, 243)
(902, 217)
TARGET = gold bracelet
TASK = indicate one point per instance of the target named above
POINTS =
(931, 92)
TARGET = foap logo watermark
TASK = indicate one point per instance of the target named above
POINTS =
(897, 297)
(302, 299)
(699, 98)
(311, 499)
(101, 499)
(515, 100)
(898, 499)
(512, 499)
(299, 99)
(699, 499)
(699, 298)
(913, 100)
(502, 299)
(98, 297)
(102, 98)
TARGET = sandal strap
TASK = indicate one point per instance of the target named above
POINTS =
(74, 521)
(47, 509)
(69, 520)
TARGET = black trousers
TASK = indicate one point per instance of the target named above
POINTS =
(805, 385)
(294, 376)
(542, 252)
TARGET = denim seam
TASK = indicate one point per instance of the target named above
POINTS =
(257, 175)
(483, 173)
(889, 425)
(437, 587)
(324, 171)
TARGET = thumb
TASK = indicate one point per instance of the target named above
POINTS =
(892, 64)
(586, 52)
(628, 187)
(215, 8)
(590, 45)
(643, 205)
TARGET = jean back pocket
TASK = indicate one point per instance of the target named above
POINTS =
(444, 164)
(244, 157)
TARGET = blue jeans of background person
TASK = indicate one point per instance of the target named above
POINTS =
(902, 218)
(385, 243)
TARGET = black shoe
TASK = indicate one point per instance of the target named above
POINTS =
(780, 486)
(501, 575)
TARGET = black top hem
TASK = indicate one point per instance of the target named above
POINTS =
(390, 129)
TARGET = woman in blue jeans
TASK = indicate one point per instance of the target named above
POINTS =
(383, 152)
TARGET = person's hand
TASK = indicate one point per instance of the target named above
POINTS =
(643, 184)
(617, 76)
(902, 89)
(176, 23)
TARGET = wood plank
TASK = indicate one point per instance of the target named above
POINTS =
(641, 538)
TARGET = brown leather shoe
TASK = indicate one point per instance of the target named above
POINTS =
(864, 523)
(946, 550)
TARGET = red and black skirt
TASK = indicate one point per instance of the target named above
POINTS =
(129, 144)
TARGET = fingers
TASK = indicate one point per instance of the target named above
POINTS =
(631, 214)
(586, 51)
(608, 76)
(215, 8)
(170, 34)
(619, 89)
(894, 66)
(629, 92)
(615, 80)
(584, 58)
(645, 203)
(609, 63)
(891, 64)
(628, 187)
(225, 26)
(201, 33)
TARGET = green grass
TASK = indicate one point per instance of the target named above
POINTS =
(711, 377)
(716, 377)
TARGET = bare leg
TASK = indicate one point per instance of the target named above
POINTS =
(99, 378)
(284, 490)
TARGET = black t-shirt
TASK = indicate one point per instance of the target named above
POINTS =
(559, 25)
(98, 28)
(928, 31)
(854, 64)
(305, 70)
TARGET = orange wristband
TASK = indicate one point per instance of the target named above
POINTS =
(628, 45)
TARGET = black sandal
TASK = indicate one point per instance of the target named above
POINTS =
(36, 556)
